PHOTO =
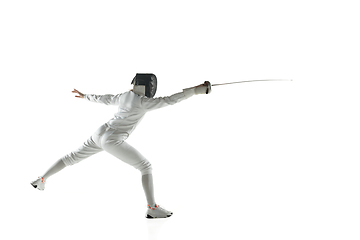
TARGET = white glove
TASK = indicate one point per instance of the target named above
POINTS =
(204, 88)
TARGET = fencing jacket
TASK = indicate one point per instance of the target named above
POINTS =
(132, 107)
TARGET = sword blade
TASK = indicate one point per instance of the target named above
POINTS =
(261, 80)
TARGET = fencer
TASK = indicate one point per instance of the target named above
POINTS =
(111, 136)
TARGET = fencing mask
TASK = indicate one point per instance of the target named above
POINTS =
(145, 84)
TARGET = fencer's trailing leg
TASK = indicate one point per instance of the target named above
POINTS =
(40, 182)
(88, 149)
(57, 167)
(154, 210)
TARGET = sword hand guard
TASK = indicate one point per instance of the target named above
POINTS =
(208, 85)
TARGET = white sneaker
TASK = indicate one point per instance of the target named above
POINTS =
(157, 212)
(39, 183)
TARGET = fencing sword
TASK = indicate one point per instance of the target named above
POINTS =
(261, 80)
(209, 85)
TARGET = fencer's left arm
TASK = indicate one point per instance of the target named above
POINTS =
(107, 99)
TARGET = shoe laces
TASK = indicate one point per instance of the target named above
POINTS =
(156, 206)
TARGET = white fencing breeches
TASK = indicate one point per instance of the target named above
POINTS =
(113, 142)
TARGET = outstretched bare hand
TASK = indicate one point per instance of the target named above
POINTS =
(80, 94)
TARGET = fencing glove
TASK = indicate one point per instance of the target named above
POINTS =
(204, 88)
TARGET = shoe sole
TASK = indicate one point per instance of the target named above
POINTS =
(151, 217)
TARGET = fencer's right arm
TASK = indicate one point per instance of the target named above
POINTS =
(155, 103)
(107, 99)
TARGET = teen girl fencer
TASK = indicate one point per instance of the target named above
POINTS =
(111, 137)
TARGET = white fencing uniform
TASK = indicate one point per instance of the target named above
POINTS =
(111, 136)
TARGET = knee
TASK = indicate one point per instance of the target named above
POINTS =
(145, 167)
(70, 159)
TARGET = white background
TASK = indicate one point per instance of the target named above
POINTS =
(266, 160)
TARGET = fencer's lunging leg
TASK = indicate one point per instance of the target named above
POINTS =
(113, 143)
(130, 155)
(147, 182)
